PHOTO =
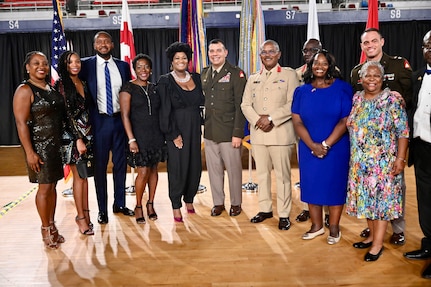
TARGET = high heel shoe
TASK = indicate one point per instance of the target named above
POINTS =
(48, 240)
(152, 215)
(88, 216)
(178, 218)
(89, 231)
(373, 257)
(54, 231)
(139, 220)
(190, 210)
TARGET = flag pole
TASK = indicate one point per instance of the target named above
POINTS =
(58, 46)
(252, 35)
(192, 31)
(127, 54)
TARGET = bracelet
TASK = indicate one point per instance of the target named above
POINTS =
(131, 140)
(325, 145)
(402, 159)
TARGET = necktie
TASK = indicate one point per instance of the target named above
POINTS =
(214, 73)
(109, 109)
(428, 72)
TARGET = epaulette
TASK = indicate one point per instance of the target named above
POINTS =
(357, 66)
(289, 69)
(406, 63)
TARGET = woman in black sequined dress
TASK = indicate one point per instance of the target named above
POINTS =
(77, 138)
(140, 106)
(39, 114)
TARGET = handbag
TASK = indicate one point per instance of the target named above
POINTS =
(85, 166)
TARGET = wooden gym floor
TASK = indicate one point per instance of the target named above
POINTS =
(204, 251)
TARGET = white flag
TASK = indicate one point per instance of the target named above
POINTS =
(313, 23)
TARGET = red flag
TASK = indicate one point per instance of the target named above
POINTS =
(127, 44)
(372, 22)
(67, 173)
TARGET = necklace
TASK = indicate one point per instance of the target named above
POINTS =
(181, 80)
(148, 97)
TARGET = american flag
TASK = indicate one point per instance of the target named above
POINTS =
(58, 45)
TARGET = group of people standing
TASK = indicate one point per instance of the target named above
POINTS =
(389, 112)
(352, 141)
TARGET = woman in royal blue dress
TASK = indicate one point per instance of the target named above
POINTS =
(319, 112)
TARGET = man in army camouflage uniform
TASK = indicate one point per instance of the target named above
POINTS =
(398, 78)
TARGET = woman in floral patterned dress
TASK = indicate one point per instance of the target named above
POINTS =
(378, 143)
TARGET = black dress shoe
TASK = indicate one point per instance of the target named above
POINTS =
(427, 272)
(303, 216)
(365, 233)
(261, 216)
(373, 257)
(284, 223)
(235, 210)
(217, 210)
(397, 238)
(124, 210)
(362, 245)
(102, 217)
(418, 254)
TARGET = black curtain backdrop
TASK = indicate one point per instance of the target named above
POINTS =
(342, 40)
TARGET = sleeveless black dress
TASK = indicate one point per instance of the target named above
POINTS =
(46, 126)
(144, 117)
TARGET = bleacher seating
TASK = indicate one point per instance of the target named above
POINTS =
(85, 8)
(28, 4)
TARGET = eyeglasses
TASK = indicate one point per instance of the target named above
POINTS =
(270, 52)
(311, 50)
(426, 48)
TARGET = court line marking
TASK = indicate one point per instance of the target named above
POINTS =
(6, 208)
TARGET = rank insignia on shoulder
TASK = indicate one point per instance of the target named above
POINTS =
(406, 64)
(241, 74)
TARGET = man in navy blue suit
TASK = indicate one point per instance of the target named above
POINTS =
(104, 76)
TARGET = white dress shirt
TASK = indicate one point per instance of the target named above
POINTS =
(421, 119)
(116, 83)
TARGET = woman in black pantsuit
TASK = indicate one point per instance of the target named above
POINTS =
(180, 120)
